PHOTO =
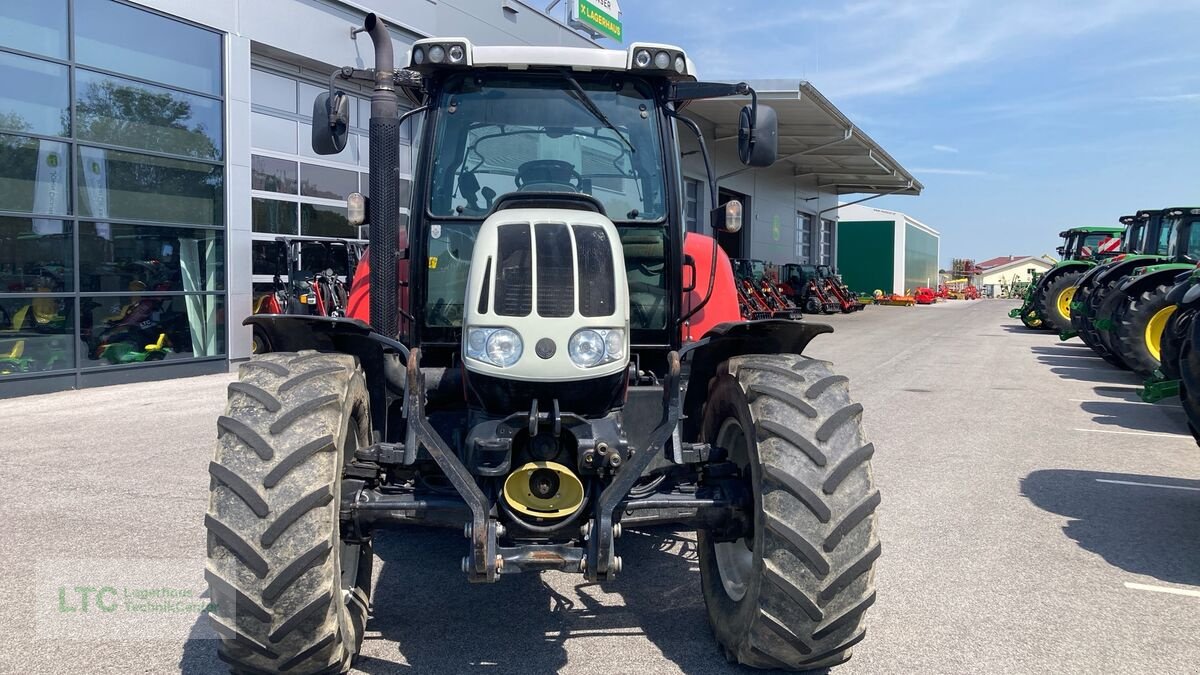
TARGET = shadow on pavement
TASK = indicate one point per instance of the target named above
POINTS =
(1127, 393)
(1126, 415)
(1140, 529)
(1082, 361)
(1097, 373)
(1065, 349)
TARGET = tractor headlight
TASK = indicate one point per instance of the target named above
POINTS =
(437, 54)
(500, 347)
(590, 347)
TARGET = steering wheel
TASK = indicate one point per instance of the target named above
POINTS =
(548, 174)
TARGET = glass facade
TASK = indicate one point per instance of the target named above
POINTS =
(112, 188)
(803, 238)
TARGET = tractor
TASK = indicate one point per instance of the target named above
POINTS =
(544, 360)
(1049, 301)
(758, 291)
(1144, 241)
(836, 290)
(1180, 362)
(806, 288)
(1134, 316)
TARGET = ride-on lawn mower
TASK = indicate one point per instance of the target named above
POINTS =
(566, 402)
(1048, 304)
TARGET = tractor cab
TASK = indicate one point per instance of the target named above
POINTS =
(1090, 243)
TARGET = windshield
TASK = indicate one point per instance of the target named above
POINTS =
(502, 133)
(1133, 237)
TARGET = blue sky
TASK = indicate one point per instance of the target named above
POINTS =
(1021, 117)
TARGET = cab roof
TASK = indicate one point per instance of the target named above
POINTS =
(1109, 229)
(639, 57)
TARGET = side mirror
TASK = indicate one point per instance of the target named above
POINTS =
(728, 217)
(758, 135)
(331, 123)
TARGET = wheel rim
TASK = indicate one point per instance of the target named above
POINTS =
(735, 559)
(1064, 302)
(1154, 331)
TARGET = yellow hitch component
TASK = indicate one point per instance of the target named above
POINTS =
(543, 490)
(1154, 331)
(157, 346)
(1064, 302)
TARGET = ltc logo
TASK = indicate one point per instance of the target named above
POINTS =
(83, 598)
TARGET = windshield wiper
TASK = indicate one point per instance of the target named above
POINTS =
(588, 104)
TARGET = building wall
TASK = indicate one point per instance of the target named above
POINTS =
(866, 257)
(920, 258)
(991, 282)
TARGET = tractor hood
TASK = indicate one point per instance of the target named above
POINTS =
(547, 297)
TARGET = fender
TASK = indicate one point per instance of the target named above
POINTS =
(1183, 284)
(1125, 267)
(727, 340)
(1056, 271)
(1153, 276)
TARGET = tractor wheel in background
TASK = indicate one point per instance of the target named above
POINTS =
(1178, 325)
(812, 305)
(1111, 308)
(259, 344)
(290, 595)
(1139, 329)
(793, 593)
(1054, 301)
(1092, 336)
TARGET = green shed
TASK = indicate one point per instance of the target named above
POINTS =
(884, 250)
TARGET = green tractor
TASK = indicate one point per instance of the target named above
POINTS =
(1048, 302)
(1134, 317)
(1184, 299)
(1144, 242)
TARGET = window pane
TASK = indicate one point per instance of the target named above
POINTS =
(319, 256)
(35, 97)
(270, 258)
(38, 26)
(35, 256)
(274, 91)
(273, 133)
(273, 175)
(138, 328)
(120, 38)
(326, 182)
(34, 175)
(325, 221)
(274, 217)
(124, 112)
(115, 184)
(36, 335)
(118, 258)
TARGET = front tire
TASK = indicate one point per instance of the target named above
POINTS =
(1030, 319)
(1140, 327)
(1054, 301)
(793, 593)
(290, 595)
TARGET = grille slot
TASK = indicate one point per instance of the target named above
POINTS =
(555, 270)
(514, 270)
(597, 295)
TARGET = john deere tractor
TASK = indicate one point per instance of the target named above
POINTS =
(543, 362)
(1143, 242)
(1134, 316)
(1048, 304)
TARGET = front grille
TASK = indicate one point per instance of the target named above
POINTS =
(597, 294)
(555, 270)
(514, 270)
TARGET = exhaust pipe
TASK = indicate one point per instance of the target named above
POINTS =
(384, 209)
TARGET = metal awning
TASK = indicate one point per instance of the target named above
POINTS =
(820, 142)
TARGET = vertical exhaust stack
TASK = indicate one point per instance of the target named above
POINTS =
(384, 209)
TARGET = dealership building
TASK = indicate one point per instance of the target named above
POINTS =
(153, 152)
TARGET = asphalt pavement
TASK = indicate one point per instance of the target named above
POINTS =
(1036, 518)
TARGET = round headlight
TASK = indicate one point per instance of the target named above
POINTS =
(680, 64)
(456, 54)
(642, 58)
(503, 347)
(586, 348)
(662, 60)
(418, 56)
(437, 54)
(614, 344)
(476, 342)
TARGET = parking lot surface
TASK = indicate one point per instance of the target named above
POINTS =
(1036, 518)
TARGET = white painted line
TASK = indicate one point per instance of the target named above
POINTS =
(1156, 485)
(1163, 589)
(1135, 433)
(1097, 400)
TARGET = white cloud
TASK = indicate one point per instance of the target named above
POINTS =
(946, 148)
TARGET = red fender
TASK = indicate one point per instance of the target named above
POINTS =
(358, 304)
(722, 307)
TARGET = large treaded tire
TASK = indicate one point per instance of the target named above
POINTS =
(1047, 301)
(810, 578)
(1173, 336)
(1189, 380)
(1130, 333)
(1092, 336)
(275, 554)
(1029, 320)
(1112, 307)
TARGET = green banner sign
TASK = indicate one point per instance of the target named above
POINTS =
(598, 16)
